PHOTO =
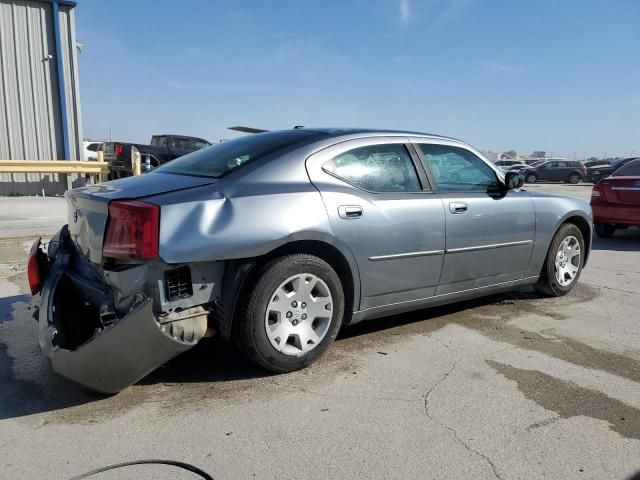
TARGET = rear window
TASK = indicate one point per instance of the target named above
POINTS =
(218, 160)
(631, 169)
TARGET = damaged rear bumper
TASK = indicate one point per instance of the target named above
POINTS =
(115, 355)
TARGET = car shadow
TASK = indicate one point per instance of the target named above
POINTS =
(28, 386)
(627, 240)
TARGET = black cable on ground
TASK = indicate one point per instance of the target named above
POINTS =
(173, 463)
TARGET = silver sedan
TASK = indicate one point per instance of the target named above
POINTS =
(279, 239)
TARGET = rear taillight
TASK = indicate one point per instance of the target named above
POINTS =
(33, 269)
(132, 230)
(119, 149)
(583, 169)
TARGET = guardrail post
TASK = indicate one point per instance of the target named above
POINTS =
(136, 161)
(100, 155)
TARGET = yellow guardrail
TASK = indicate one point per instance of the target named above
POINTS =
(55, 166)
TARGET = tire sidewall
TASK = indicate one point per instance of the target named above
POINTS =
(531, 178)
(563, 232)
(273, 274)
(573, 177)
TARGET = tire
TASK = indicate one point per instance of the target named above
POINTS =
(256, 314)
(548, 284)
(605, 230)
(573, 178)
(531, 178)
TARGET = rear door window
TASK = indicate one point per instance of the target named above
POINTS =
(456, 169)
(376, 168)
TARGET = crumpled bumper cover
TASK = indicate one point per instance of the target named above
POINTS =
(114, 357)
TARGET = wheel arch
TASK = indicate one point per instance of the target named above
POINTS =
(585, 228)
(237, 277)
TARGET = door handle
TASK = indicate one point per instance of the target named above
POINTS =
(350, 211)
(457, 207)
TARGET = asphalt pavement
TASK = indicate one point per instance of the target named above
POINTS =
(513, 386)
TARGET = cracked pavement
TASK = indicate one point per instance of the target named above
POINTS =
(512, 387)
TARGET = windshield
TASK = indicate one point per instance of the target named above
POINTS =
(218, 160)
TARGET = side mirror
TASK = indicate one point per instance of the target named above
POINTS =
(513, 180)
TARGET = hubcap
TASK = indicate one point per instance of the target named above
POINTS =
(568, 260)
(299, 314)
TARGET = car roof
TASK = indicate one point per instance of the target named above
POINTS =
(179, 135)
(344, 131)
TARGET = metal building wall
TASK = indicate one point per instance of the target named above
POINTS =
(31, 120)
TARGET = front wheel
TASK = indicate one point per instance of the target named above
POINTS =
(564, 262)
(290, 313)
(531, 178)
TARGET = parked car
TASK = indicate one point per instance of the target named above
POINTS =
(162, 149)
(595, 174)
(506, 165)
(555, 171)
(90, 150)
(278, 239)
(616, 200)
(596, 163)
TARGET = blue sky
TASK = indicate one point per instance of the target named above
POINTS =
(555, 75)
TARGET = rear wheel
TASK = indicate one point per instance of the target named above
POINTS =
(573, 178)
(531, 178)
(563, 264)
(291, 313)
(605, 230)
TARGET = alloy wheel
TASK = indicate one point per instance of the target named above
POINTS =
(299, 314)
(567, 261)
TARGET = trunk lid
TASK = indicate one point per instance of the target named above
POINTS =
(88, 207)
(622, 190)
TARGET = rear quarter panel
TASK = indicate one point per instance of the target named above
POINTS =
(246, 214)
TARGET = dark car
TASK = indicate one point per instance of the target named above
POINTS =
(555, 171)
(162, 149)
(595, 174)
(596, 163)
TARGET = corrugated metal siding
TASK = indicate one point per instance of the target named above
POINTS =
(71, 80)
(30, 115)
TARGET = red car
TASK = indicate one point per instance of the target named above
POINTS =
(615, 200)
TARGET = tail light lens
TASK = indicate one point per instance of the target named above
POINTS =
(133, 230)
(119, 149)
(584, 169)
(33, 269)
